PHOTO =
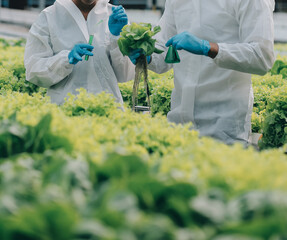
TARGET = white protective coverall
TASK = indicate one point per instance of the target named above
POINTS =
(55, 33)
(216, 94)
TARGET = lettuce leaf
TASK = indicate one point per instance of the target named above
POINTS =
(139, 36)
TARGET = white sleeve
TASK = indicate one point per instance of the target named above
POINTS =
(43, 67)
(124, 69)
(168, 30)
(254, 54)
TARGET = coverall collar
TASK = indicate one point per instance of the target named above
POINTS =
(78, 16)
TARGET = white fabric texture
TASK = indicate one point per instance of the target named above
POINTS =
(55, 33)
(216, 94)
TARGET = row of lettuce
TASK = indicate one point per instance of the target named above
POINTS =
(269, 116)
(270, 93)
(100, 173)
(87, 170)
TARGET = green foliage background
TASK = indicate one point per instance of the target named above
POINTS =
(12, 77)
(88, 170)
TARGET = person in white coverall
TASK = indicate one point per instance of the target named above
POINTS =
(222, 43)
(58, 43)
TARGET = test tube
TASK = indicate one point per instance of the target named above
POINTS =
(90, 42)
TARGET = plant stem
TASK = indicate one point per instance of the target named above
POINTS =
(141, 70)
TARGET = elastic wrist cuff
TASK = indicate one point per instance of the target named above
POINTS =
(206, 47)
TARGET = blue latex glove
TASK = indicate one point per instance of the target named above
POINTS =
(78, 52)
(135, 54)
(118, 19)
(190, 43)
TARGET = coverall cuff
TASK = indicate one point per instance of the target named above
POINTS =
(67, 67)
(220, 55)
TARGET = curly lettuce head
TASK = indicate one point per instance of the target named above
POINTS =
(139, 36)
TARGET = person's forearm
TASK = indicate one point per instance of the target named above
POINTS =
(46, 71)
(123, 68)
(214, 48)
(253, 57)
(158, 65)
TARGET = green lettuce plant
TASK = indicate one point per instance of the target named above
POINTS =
(139, 37)
(279, 67)
(275, 122)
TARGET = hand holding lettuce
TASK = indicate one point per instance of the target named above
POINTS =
(136, 42)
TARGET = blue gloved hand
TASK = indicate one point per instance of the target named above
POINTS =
(135, 54)
(190, 43)
(79, 51)
(118, 19)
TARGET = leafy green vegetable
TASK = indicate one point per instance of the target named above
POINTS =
(41, 222)
(258, 214)
(275, 122)
(17, 138)
(167, 183)
(139, 36)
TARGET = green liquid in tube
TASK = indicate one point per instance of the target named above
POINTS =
(90, 42)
